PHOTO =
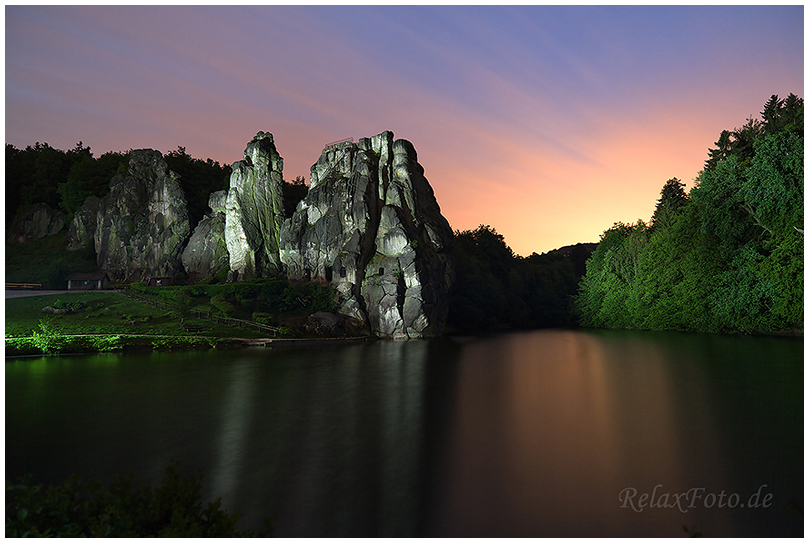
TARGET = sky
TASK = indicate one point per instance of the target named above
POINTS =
(548, 123)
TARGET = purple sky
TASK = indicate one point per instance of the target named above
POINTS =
(548, 123)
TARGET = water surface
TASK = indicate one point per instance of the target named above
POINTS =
(547, 433)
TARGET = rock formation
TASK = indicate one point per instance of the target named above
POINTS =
(206, 252)
(83, 227)
(254, 210)
(38, 221)
(142, 223)
(371, 227)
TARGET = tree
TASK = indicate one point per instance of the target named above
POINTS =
(198, 179)
(673, 198)
(293, 193)
(125, 509)
(727, 257)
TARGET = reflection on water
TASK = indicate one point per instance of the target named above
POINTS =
(532, 434)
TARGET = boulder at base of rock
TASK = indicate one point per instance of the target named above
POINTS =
(142, 223)
(370, 226)
(83, 227)
(36, 222)
(325, 324)
(254, 210)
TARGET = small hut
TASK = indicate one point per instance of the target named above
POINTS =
(88, 281)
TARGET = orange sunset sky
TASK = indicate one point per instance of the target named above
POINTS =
(547, 123)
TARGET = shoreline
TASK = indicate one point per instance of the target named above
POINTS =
(120, 343)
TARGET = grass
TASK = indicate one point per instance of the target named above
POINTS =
(109, 314)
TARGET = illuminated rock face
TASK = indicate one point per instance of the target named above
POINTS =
(206, 252)
(254, 210)
(370, 226)
(83, 227)
(142, 223)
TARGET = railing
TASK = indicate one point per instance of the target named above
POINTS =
(234, 322)
(23, 286)
(343, 141)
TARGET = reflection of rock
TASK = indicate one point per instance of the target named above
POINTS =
(83, 226)
(370, 226)
(142, 223)
(254, 210)
(39, 221)
(207, 252)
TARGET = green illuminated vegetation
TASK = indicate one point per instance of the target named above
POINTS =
(168, 319)
(726, 257)
(126, 508)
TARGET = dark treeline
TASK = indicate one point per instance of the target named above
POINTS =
(728, 256)
(496, 289)
(64, 179)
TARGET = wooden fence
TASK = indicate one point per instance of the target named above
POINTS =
(23, 286)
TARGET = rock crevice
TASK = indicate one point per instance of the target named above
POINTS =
(371, 227)
(142, 223)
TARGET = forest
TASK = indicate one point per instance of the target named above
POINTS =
(726, 257)
(64, 179)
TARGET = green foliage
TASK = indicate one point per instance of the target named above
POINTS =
(180, 279)
(220, 303)
(293, 193)
(46, 262)
(48, 339)
(730, 259)
(40, 173)
(198, 178)
(138, 286)
(263, 318)
(126, 509)
(24, 314)
(106, 343)
(89, 177)
(183, 302)
(222, 275)
(673, 199)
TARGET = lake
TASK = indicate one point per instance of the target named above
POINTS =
(549, 433)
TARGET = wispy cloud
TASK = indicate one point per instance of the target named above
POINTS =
(549, 123)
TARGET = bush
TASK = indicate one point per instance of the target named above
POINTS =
(181, 278)
(263, 318)
(47, 339)
(77, 509)
(222, 275)
(219, 302)
(138, 286)
(106, 343)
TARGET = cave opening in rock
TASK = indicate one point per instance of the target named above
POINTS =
(401, 292)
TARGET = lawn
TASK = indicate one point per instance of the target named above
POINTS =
(107, 313)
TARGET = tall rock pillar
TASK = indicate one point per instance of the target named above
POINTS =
(254, 210)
